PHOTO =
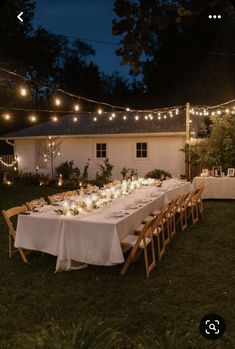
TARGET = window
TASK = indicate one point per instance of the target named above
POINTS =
(101, 150)
(141, 150)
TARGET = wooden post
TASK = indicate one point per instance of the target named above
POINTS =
(187, 141)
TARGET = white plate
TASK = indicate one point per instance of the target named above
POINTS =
(117, 214)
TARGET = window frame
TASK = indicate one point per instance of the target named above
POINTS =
(101, 150)
(141, 151)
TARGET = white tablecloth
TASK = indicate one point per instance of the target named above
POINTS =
(92, 238)
(216, 187)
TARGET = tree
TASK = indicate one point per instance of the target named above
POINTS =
(170, 43)
(219, 148)
(50, 152)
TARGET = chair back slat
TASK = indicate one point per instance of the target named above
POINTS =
(36, 202)
(55, 198)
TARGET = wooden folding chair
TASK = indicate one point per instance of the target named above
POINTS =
(158, 230)
(166, 222)
(171, 216)
(199, 200)
(139, 243)
(36, 202)
(56, 197)
(182, 211)
(193, 210)
(69, 194)
(8, 214)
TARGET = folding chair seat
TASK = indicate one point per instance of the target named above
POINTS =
(8, 214)
(137, 243)
(34, 203)
(55, 198)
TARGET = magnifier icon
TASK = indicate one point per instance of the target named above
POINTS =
(212, 327)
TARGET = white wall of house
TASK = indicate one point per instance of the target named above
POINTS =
(163, 153)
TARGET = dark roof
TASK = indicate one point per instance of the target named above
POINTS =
(85, 125)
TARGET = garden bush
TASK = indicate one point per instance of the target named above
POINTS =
(157, 174)
(105, 174)
(27, 178)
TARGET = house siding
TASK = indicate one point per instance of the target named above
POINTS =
(163, 152)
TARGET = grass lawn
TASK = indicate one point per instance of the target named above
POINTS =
(195, 277)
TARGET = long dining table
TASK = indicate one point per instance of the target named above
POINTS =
(92, 237)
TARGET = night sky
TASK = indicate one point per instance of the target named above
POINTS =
(86, 19)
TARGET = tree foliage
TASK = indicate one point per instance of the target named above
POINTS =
(219, 148)
(182, 55)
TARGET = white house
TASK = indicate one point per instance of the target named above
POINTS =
(140, 144)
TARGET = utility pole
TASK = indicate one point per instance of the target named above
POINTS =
(187, 142)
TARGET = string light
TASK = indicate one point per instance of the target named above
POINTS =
(76, 107)
(32, 118)
(146, 117)
(159, 117)
(57, 101)
(23, 91)
(165, 116)
(127, 109)
(113, 115)
(7, 116)
(136, 117)
(54, 118)
(75, 119)
(124, 117)
(14, 162)
(100, 111)
(95, 119)
(110, 118)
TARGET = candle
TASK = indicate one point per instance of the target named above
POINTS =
(88, 204)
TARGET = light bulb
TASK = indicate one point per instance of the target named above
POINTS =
(33, 118)
(95, 119)
(55, 118)
(227, 110)
(100, 111)
(57, 102)
(124, 117)
(127, 109)
(7, 116)
(76, 107)
(159, 117)
(113, 115)
(165, 116)
(218, 112)
(58, 153)
(75, 119)
(146, 117)
(110, 118)
(136, 117)
(23, 91)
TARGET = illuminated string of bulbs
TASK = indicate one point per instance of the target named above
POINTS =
(148, 114)
(198, 111)
(24, 91)
(13, 163)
